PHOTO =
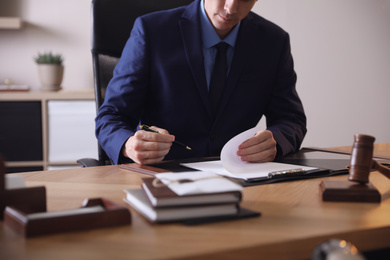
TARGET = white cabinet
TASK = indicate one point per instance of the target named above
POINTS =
(71, 130)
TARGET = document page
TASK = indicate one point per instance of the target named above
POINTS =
(231, 165)
(253, 171)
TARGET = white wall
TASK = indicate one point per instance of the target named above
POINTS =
(49, 25)
(341, 50)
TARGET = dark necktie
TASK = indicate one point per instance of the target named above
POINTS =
(218, 78)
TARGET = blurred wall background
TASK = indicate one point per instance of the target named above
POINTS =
(341, 51)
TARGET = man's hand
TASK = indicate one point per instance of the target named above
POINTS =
(260, 148)
(148, 147)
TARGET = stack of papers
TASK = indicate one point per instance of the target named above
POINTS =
(250, 171)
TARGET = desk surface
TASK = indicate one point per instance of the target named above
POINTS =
(294, 221)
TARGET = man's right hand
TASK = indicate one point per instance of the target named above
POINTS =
(147, 147)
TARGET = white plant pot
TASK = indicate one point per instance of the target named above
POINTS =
(50, 76)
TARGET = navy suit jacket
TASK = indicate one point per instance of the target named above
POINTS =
(160, 80)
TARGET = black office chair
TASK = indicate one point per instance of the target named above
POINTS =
(112, 21)
(2, 171)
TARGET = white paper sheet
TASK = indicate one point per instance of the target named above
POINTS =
(253, 171)
(229, 158)
(231, 165)
(202, 182)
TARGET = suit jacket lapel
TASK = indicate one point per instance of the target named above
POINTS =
(191, 35)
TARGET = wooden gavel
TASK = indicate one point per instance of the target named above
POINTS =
(361, 160)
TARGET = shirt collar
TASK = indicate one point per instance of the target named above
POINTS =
(210, 36)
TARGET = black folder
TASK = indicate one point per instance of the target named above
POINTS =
(328, 163)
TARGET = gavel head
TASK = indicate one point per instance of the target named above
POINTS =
(361, 158)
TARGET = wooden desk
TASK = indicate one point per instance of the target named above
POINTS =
(294, 221)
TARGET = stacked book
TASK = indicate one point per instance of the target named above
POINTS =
(187, 196)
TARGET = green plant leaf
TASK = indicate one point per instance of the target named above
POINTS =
(49, 58)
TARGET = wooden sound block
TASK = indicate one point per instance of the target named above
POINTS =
(95, 213)
(346, 191)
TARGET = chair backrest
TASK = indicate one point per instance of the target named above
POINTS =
(2, 174)
(112, 21)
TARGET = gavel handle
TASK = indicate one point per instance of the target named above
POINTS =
(380, 168)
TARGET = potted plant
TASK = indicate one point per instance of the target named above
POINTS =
(50, 69)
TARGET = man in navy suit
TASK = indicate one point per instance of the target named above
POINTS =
(163, 78)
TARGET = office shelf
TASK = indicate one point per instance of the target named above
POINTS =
(36, 136)
(10, 23)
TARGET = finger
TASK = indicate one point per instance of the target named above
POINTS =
(154, 137)
(152, 146)
(258, 147)
(142, 142)
(150, 161)
(149, 157)
(258, 138)
(159, 130)
(147, 160)
(263, 156)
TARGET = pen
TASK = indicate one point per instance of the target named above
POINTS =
(147, 128)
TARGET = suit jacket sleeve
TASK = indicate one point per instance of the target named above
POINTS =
(119, 115)
(285, 114)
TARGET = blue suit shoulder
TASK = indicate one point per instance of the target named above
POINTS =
(160, 17)
(266, 26)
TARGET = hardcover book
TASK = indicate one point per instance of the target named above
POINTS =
(163, 196)
(138, 199)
